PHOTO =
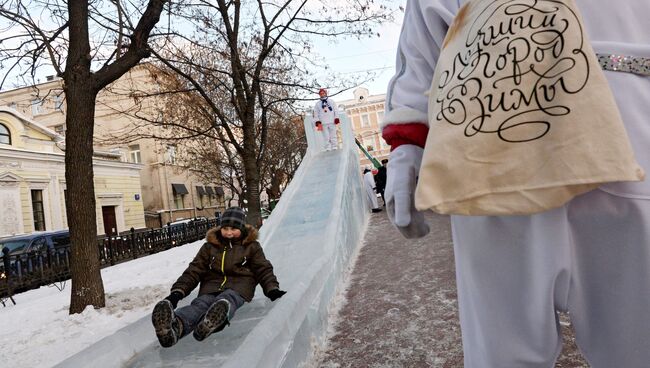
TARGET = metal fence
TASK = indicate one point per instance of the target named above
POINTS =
(22, 272)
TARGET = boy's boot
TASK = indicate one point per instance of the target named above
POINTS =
(168, 327)
(215, 320)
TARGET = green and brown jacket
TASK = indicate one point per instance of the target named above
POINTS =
(224, 264)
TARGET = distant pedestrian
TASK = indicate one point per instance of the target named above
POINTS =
(380, 179)
(369, 184)
(227, 268)
(326, 117)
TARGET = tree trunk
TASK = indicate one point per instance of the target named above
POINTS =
(80, 94)
(252, 173)
(87, 285)
(273, 191)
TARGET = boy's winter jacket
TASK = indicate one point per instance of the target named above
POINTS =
(224, 264)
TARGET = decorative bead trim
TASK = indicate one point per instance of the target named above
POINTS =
(625, 63)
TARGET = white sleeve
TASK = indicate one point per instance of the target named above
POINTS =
(336, 109)
(423, 31)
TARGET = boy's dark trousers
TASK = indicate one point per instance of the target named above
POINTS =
(192, 314)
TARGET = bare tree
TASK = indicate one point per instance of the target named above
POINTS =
(181, 117)
(89, 45)
(242, 63)
(286, 147)
(246, 59)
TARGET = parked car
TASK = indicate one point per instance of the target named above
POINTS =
(36, 241)
(178, 224)
(175, 229)
(28, 257)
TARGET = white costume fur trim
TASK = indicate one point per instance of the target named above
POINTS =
(404, 115)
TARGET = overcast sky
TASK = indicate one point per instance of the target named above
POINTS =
(347, 57)
(376, 54)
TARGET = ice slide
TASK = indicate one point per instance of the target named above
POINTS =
(310, 237)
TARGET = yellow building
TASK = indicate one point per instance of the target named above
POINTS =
(33, 186)
(366, 113)
(169, 191)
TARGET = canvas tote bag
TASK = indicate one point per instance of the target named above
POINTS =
(521, 118)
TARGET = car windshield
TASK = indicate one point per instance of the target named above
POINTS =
(15, 245)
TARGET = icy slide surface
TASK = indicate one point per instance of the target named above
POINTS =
(310, 236)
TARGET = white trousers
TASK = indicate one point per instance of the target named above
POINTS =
(590, 257)
(330, 138)
(372, 196)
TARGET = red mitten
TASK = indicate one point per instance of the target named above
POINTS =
(319, 126)
(396, 135)
(336, 120)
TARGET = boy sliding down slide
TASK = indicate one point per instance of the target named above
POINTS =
(227, 267)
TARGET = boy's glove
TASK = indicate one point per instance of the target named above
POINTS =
(275, 294)
(175, 297)
(401, 178)
(319, 126)
(336, 120)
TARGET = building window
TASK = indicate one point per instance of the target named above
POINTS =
(382, 143)
(365, 120)
(58, 102)
(134, 154)
(380, 116)
(210, 193)
(37, 209)
(60, 129)
(201, 192)
(179, 191)
(219, 194)
(369, 143)
(178, 201)
(5, 137)
(37, 107)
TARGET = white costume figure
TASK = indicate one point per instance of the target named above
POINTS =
(326, 118)
(369, 184)
(590, 257)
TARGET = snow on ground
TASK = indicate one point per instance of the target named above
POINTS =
(39, 332)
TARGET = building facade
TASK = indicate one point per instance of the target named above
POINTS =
(366, 112)
(33, 185)
(168, 190)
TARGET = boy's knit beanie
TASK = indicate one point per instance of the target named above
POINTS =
(234, 217)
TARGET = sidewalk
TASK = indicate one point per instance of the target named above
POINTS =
(401, 306)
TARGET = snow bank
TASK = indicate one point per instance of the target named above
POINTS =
(309, 238)
(39, 332)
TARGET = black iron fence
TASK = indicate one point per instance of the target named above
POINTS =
(21, 272)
